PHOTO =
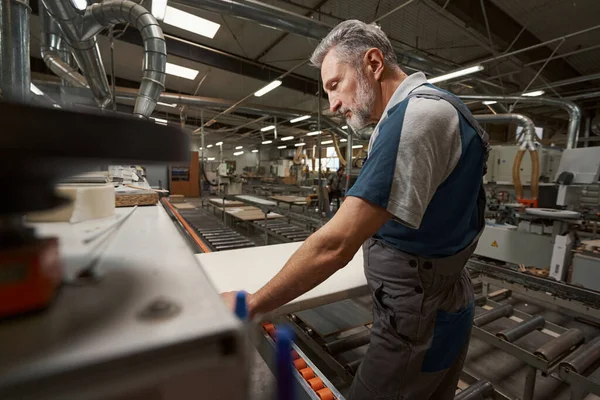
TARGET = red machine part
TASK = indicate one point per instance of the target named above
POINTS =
(29, 276)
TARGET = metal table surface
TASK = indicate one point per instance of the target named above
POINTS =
(102, 339)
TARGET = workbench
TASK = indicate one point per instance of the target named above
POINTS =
(249, 269)
(150, 326)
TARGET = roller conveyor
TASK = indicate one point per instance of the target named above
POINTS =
(212, 231)
(284, 230)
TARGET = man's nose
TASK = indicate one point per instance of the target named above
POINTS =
(335, 105)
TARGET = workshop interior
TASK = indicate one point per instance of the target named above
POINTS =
(156, 153)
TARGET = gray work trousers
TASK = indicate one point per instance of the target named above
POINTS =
(422, 319)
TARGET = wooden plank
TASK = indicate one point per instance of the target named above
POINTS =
(332, 319)
(227, 203)
(249, 269)
(136, 198)
(184, 206)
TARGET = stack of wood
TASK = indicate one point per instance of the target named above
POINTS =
(589, 247)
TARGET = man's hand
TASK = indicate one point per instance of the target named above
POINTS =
(322, 254)
(229, 300)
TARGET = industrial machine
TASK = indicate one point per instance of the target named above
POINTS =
(513, 230)
(229, 183)
(121, 307)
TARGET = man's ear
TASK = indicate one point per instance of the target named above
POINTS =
(374, 61)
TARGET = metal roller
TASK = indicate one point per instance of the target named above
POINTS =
(480, 300)
(525, 327)
(352, 366)
(480, 390)
(347, 343)
(559, 346)
(582, 358)
(493, 315)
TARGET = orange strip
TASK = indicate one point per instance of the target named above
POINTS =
(188, 228)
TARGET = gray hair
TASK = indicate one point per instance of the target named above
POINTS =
(351, 39)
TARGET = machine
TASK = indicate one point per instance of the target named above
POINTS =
(229, 183)
(544, 237)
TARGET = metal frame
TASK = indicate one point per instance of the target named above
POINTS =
(534, 363)
(265, 346)
(580, 385)
(580, 300)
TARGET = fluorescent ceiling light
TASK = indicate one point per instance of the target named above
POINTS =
(268, 88)
(345, 127)
(358, 146)
(299, 144)
(343, 140)
(489, 103)
(267, 128)
(183, 72)
(159, 8)
(238, 153)
(209, 146)
(255, 151)
(173, 105)
(36, 90)
(81, 4)
(267, 142)
(199, 148)
(282, 147)
(327, 142)
(303, 118)
(211, 159)
(456, 74)
(190, 22)
(219, 144)
(535, 93)
(313, 133)
(160, 121)
(283, 139)
(239, 147)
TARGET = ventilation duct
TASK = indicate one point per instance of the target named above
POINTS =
(80, 31)
(15, 76)
(55, 53)
(572, 108)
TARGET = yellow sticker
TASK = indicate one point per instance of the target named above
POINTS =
(495, 244)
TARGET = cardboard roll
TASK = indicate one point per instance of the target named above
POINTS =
(39, 146)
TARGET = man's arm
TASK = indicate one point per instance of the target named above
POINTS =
(321, 255)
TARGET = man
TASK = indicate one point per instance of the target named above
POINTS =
(335, 184)
(416, 206)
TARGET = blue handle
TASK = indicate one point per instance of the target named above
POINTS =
(241, 306)
(285, 377)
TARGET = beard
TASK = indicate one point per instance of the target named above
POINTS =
(363, 107)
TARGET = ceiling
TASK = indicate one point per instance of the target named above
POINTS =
(448, 33)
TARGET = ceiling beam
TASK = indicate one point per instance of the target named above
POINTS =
(228, 62)
(504, 27)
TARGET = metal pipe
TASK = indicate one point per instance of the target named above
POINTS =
(560, 345)
(512, 118)
(585, 96)
(480, 390)
(525, 327)
(352, 366)
(80, 31)
(15, 75)
(572, 108)
(110, 12)
(278, 18)
(348, 343)
(583, 358)
(55, 53)
(492, 315)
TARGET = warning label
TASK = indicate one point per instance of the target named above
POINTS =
(494, 244)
